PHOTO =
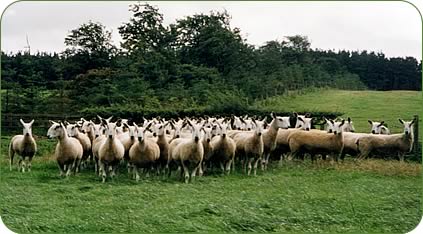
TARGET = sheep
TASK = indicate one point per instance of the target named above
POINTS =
(236, 123)
(303, 123)
(111, 150)
(317, 142)
(87, 128)
(379, 128)
(159, 130)
(144, 152)
(208, 149)
(388, 144)
(223, 148)
(269, 136)
(68, 151)
(99, 132)
(128, 139)
(24, 145)
(189, 152)
(249, 146)
(85, 141)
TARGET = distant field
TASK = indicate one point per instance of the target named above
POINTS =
(359, 105)
(371, 196)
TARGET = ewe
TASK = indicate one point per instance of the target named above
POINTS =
(24, 145)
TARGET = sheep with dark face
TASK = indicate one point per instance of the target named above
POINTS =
(68, 151)
(23, 145)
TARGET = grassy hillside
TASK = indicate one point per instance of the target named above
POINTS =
(371, 196)
(359, 105)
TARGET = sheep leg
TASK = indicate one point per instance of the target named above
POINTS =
(11, 155)
(228, 167)
(136, 173)
(69, 169)
(103, 171)
(401, 157)
(186, 172)
(250, 160)
(62, 169)
(255, 166)
(29, 163)
(23, 164)
(198, 167)
(19, 165)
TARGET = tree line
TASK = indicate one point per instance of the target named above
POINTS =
(198, 63)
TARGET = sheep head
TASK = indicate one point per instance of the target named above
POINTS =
(27, 127)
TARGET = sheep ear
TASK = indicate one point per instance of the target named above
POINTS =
(307, 115)
(331, 121)
(126, 125)
(273, 115)
(254, 121)
(32, 121)
(342, 123)
(349, 120)
(381, 123)
(109, 119)
(66, 123)
(401, 121)
(242, 120)
(370, 122)
(295, 114)
(301, 119)
(135, 125)
(326, 120)
(52, 122)
(149, 125)
(265, 118)
(99, 117)
(412, 121)
(22, 122)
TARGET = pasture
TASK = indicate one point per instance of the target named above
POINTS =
(368, 196)
(359, 105)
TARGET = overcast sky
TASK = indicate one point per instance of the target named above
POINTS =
(393, 28)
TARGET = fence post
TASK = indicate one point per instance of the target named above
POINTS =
(416, 135)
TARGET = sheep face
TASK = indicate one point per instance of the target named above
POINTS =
(238, 125)
(159, 129)
(337, 126)
(177, 133)
(131, 130)
(348, 126)
(222, 129)
(87, 126)
(408, 126)
(27, 127)
(98, 130)
(249, 124)
(56, 130)
(207, 134)
(71, 129)
(110, 130)
(303, 123)
(141, 133)
(376, 127)
(259, 128)
(195, 129)
(282, 122)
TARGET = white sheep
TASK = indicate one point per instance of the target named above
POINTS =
(128, 138)
(23, 145)
(111, 151)
(317, 142)
(85, 141)
(223, 148)
(249, 146)
(143, 153)
(379, 128)
(68, 151)
(270, 135)
(189, 152)
(398, 144)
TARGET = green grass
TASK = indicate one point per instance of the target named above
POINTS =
(359, 105)
(372, 196)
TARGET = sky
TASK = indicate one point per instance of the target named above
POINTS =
(394, 28)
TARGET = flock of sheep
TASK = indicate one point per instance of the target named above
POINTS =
(194, 145)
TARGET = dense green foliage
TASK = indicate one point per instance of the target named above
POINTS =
(371, 196)
(198, 62)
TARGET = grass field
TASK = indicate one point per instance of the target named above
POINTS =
(369, 196)
(359, 105)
